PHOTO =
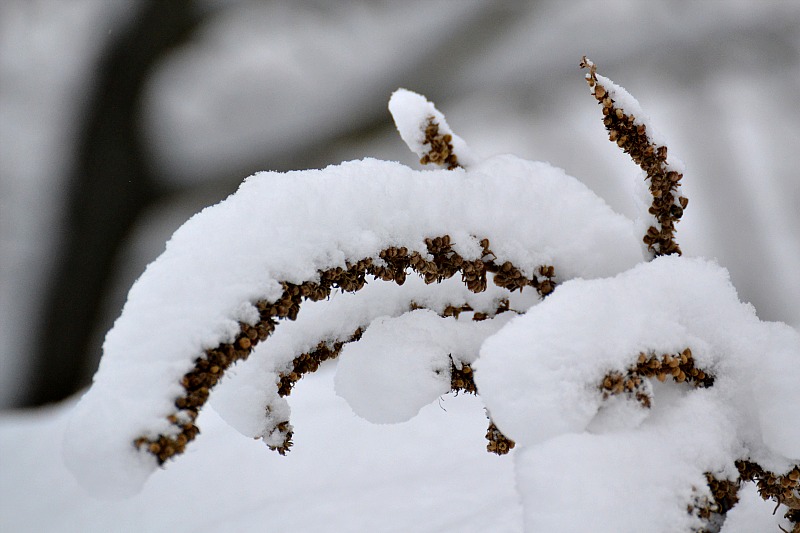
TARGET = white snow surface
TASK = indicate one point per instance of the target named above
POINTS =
(428, 475)
(286, 227)
(343, 474)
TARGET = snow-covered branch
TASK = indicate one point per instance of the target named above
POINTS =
(608, 371)
(426, 132)
(630, 128)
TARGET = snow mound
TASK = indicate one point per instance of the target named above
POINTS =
(287, 227)
(540, 379)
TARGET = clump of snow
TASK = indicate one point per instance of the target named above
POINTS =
(248, 400)
(411, 113)
(397, 368)
(540, 378)
(752, 513)
(626, 481)
(776, 392)
(402, 364)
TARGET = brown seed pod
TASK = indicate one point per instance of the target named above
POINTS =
(498, 443)
(440, 149)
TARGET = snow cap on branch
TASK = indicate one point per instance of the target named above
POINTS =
(215, 268)
(542, 376)
(426, 132)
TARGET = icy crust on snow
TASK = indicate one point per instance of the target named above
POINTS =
(248, 397)
(411, 113)
(539, 378)
(287, 227)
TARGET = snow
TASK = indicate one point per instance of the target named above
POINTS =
(539, 378)
(430, 474)
(753, 514)
(621, 482)
(193, 296)
(539, 373)
(245, 488)
(776, 393)
(396, 369)
(402, 364)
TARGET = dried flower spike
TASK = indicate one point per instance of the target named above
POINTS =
(426, 132)
(626, 127)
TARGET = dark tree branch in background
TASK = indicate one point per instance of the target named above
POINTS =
(109, 187)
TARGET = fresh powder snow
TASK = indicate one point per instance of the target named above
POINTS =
(582, 459)
(539, 377)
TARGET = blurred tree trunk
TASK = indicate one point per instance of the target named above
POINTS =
(109, 187)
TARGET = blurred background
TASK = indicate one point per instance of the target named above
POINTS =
(121, 118)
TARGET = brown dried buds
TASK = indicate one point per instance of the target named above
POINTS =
(680, 367)
(498, 443)
(441, 147)
(441, 262)
(781, 488)
(631, 135)
(724, 496)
